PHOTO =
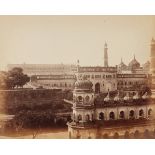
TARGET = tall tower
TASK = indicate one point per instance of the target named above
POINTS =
(105, 55)
(152, 60)
(152, 66)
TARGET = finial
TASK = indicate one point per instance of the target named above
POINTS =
(121, 60)
(153, 41)
(105, 45)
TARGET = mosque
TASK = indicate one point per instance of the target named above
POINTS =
(120, 115)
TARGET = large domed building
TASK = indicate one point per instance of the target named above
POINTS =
(122, 66)
(134, 64)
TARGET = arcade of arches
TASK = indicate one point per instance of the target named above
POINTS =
(113, 115)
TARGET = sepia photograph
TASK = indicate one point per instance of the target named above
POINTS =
(77, 77)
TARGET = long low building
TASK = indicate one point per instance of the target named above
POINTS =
(104, 78)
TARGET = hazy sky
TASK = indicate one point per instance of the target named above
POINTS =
(64, 39)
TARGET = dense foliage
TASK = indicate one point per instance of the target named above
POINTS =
(13, 78)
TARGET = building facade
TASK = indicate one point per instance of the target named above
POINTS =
(97, 115)
(122, 115)
(104, 78)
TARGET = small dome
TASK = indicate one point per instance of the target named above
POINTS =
(134, 63)
(146, 65)
(122, 65)
(136, 96)
(145, 96)
(107, 98)
(83, 84)
(152, 41)
(127, 97)
(117, 98)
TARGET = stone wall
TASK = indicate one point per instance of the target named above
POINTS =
(29, 98)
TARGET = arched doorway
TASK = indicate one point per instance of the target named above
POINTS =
(149, 112)
(122, 115)
(111, 116)
(141, 113)
(131, 114)
(87, 118)
(101, 116)
(80, 98)
(97, 88)
(79, 117)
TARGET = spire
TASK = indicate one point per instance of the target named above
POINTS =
(121, 60)
(107, 98)
(78, 69)
(105, 55)
(105, 45)
(153, 41)
(78, 62)
(134, 57)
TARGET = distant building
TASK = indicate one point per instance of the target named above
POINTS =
(104, 78)
(45, 69)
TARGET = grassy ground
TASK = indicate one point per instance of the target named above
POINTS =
(39, 134)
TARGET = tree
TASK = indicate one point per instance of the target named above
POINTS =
(16, 78)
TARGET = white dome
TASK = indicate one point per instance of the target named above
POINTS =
(126, 97)
(145, 96)
(136, 96)
(117, 98)
(107, 98)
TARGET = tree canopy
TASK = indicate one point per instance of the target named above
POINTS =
(14, 78)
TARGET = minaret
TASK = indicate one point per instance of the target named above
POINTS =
(105, 55)
(152, 66)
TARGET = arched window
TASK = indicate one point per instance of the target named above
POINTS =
(97, 88)
(141, 113)
(101, 116)
(80, 98)
(150, 112)
(87, 98)
(79, 117)
(112, 116)
(122, 115)
(131, 114)
(87, 117)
